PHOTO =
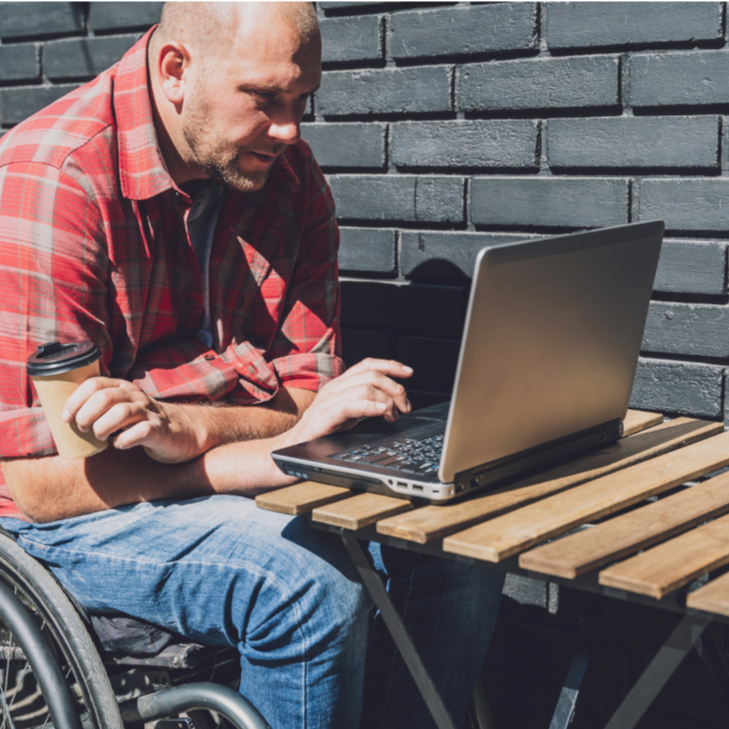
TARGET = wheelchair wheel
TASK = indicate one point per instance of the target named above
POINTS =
(22, 704)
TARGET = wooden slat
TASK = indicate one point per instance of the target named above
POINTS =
(511, 533)
(713, 597)
(301, 498)
(432, 522)
(360, 510)
(626, 534)
(674, 563)
(637, 420)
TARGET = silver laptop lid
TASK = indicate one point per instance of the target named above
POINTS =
(551, 341)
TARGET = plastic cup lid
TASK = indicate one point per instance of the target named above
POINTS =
(53, 358)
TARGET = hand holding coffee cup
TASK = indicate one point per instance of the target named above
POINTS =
(57, 370)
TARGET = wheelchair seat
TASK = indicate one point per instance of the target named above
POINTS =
(63, 669)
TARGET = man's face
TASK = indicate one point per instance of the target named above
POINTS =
(243, 108)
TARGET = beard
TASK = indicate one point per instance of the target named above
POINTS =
(217, 157)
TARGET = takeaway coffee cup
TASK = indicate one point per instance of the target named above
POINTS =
(57, 370)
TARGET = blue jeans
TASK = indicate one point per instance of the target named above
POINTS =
(220, 571)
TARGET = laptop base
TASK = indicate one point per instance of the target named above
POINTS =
(431, 490)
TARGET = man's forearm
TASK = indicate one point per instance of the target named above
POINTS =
(220, 425)
(51, 488)
(46, 489)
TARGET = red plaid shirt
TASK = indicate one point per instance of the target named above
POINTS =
(94, 245)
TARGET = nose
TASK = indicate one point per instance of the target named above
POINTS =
(285, 126)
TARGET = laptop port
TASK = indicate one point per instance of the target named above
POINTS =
(417, 488)
(402, 484)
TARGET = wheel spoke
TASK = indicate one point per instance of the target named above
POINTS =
(18, 685)
(7, 719)
(6, 709)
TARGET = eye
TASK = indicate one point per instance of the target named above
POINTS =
(262, 95)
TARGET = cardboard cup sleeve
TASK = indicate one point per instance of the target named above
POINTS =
(53, 391)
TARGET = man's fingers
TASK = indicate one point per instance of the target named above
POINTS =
(104, 401)
(133, 436)
(353, 409)
(86, 390)
(373, 380)
(120, 416)
(390, 367)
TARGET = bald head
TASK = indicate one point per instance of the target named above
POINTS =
(210, 28)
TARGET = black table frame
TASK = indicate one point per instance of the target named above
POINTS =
(693, 624)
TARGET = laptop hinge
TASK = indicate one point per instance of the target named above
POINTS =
(518, 464)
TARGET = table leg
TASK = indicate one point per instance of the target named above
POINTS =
(712, 656)
(658, 672)
(399, 634)
(589, 616)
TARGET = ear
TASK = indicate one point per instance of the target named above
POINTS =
(173, 63)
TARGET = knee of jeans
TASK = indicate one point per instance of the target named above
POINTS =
(313, 596)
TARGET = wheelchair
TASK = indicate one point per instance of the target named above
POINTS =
(60, 670)
(56, 672)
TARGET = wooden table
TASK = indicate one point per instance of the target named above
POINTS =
(646, 520)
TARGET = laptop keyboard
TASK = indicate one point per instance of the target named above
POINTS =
(419, 456)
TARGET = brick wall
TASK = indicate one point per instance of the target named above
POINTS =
(446, 127)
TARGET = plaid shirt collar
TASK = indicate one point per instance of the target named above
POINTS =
(142, 169)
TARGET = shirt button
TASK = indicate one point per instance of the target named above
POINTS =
(191, 303)
(209, 357)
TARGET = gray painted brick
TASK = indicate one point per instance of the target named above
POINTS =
(433, 360)
(385, 91)
(367, 250)
(16, 104)
(635, 142)
(365, 4)
(464, 30)
(678, 387)
(675, 79)
(84, 57)
(426, 254)
(526, 590)
(685, 204)
(347, 145)
(692, 267)
(549, 201)
(351, 39)
(369, 303)
(19, 62)
(118, 15)
(22, 20)
(431, 308)
(396, 306)
(357, 344)
(694, 329)
(591, 25)
(347, 3)
(539, 83)
(407, 198)
(498, 143)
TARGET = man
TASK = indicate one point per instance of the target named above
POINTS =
(169, 212)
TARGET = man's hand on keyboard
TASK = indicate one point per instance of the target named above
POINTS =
(363, 391)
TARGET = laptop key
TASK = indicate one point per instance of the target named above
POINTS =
(389, 461)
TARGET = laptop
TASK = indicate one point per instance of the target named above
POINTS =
(545, 371)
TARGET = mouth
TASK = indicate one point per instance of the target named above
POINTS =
(264, 158)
